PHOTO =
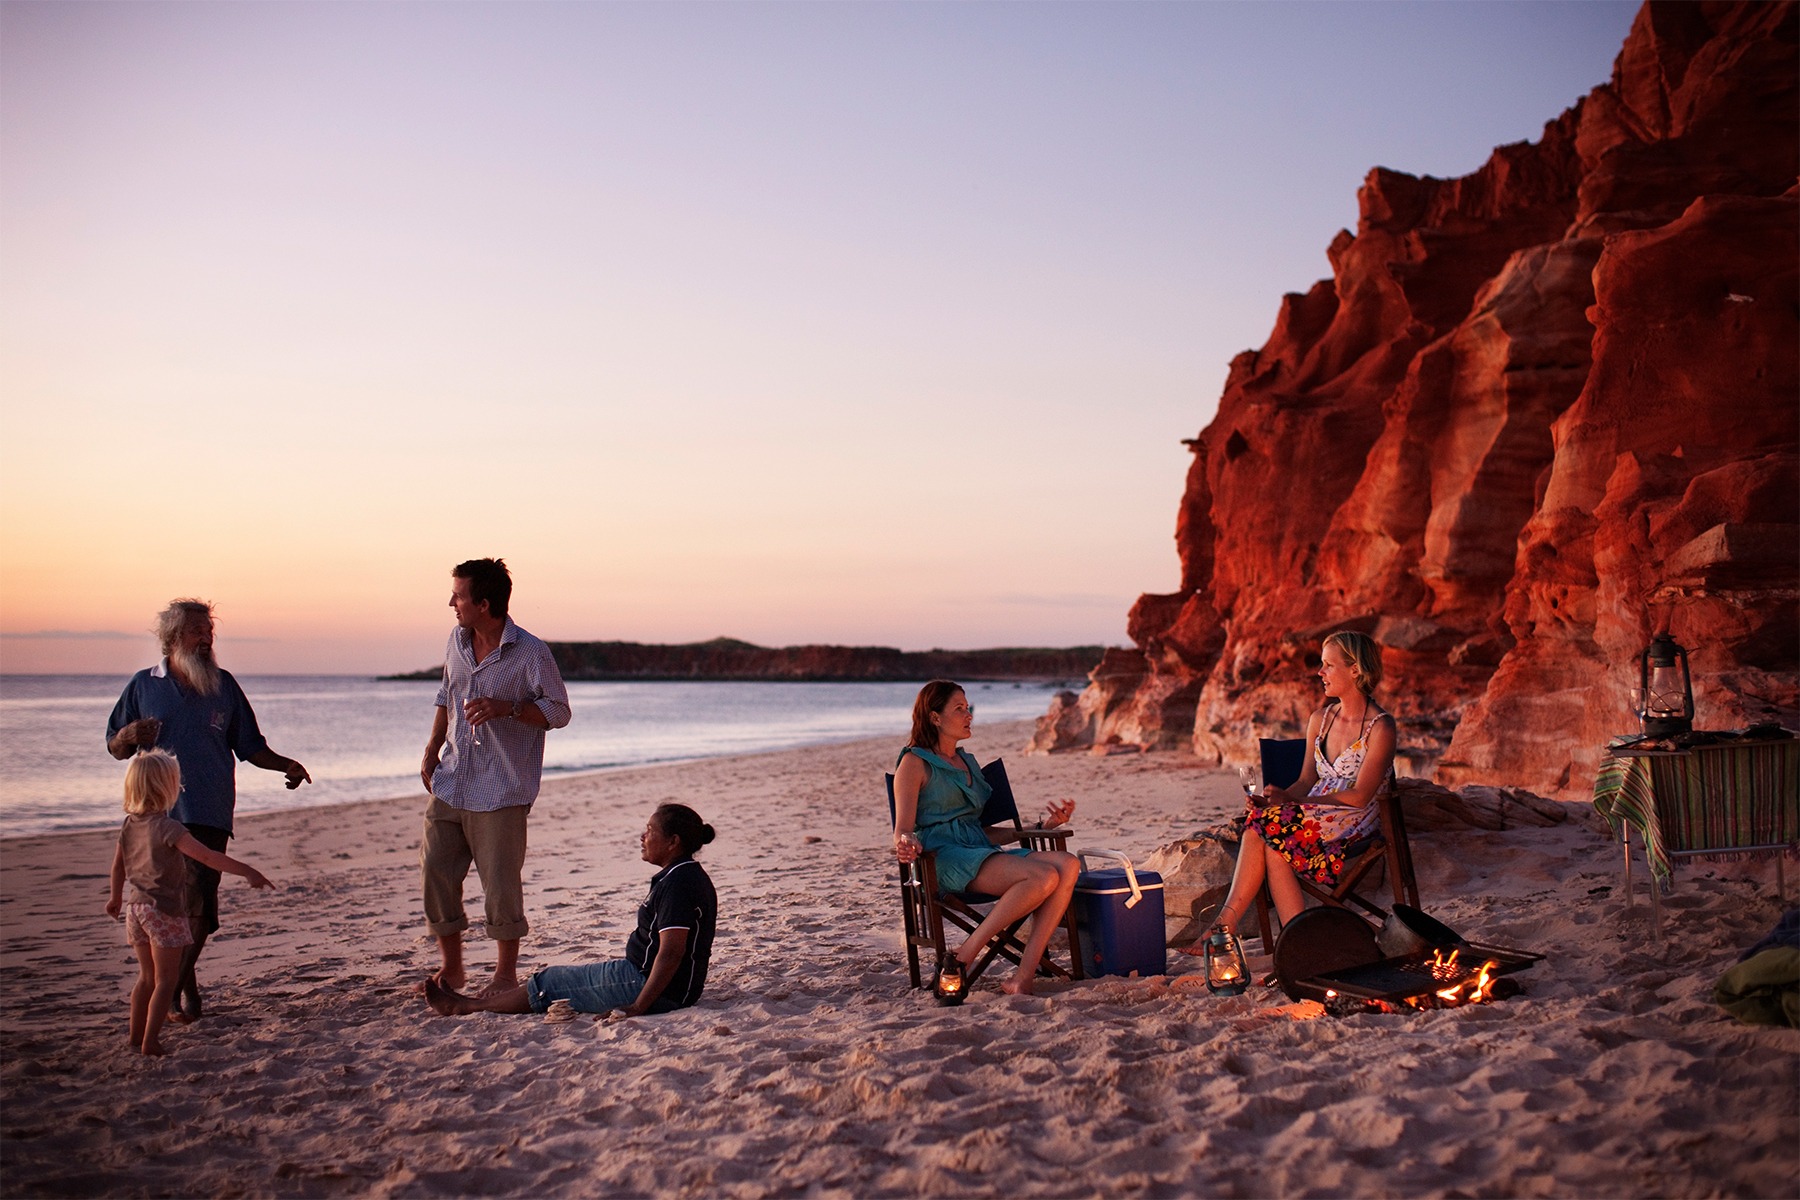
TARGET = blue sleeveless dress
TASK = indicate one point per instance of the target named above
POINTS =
(949, 818)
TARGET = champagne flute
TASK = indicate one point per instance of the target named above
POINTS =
(474, 729)
(1251, 779)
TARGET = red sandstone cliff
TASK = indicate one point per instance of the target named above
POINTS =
(1536, 411)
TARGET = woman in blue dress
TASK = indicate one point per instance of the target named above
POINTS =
(938, 797)
(1314, 826)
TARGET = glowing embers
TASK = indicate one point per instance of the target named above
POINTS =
(1444, 978)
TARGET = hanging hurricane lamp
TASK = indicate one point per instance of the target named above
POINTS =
(1227, 972)
(1665, 691)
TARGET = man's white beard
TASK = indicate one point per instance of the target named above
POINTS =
(197, 668)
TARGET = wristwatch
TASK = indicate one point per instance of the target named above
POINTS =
(517, 708)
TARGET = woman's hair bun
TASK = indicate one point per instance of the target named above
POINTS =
(680, 821)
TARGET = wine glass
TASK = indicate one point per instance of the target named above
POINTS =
(474, 729)
(1636, 697)
(1251, 779)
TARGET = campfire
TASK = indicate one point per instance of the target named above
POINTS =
(1338, 960)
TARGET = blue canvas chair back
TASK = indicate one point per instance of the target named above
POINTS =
(1282, 760)
(1001, 808)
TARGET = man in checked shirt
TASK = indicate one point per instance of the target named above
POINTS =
(501, 691)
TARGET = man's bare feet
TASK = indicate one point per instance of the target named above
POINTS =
(189, 1010)
(443, 977)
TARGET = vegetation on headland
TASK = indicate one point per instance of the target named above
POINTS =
(728, 658)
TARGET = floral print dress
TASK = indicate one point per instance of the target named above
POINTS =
(1317, 839)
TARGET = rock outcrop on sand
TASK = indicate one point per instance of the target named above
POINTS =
(1538, 412)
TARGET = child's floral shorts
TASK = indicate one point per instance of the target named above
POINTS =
(148, 923)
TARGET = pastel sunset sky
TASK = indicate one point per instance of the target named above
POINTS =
(873, 323)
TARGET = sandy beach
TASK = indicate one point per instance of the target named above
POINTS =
(810, 1069)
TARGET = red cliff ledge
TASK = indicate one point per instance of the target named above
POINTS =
(1537, 412)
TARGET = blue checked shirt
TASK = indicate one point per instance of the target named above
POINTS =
(503, 770)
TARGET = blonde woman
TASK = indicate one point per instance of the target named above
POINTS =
(1312, 827)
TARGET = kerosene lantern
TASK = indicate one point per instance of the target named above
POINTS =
(1227, 972)
(950, 987)
(1665, 691)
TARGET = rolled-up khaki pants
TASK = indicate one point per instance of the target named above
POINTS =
(495, 843)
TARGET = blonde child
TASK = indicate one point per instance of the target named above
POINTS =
(151, 846)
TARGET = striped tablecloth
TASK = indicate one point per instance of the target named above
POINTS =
(1709, 798)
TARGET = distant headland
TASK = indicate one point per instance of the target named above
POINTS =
(730, 659)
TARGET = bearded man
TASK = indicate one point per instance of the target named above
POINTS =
(195, 710)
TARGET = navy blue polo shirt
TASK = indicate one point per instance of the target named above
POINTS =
(681, 897)
(202, 732)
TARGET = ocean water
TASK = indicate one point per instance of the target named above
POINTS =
(362, 739)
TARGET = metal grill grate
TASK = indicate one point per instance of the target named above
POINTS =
(1398, 979)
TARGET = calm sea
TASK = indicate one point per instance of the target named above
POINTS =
(362, 739)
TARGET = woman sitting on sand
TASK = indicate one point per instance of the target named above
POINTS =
(1352, 761)
(664, 967)
(938, 797)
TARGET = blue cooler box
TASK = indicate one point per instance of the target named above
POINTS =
(1118, 937)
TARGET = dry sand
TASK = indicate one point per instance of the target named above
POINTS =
(810, 1068)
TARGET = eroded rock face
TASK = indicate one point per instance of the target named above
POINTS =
(1538, 412)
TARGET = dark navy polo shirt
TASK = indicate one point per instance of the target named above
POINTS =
(202, 732)
(681, 897)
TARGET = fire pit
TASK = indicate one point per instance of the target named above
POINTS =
(1333, 956)
(1471, 973)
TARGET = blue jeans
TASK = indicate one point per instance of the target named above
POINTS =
(594, 988)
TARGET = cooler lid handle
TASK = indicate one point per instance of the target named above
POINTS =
(1137, 893)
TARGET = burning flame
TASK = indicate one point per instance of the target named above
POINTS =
(1480, 988)
(1443, 968)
